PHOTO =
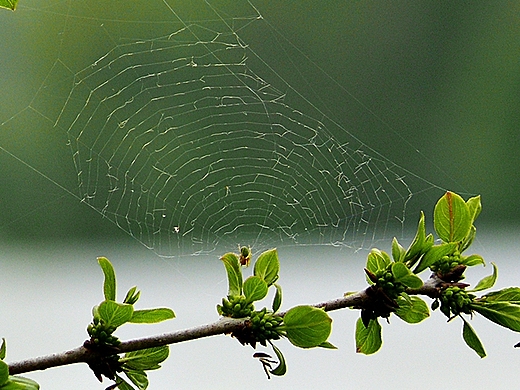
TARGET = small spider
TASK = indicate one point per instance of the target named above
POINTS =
(245, 255)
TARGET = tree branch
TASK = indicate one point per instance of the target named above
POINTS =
(222, 326)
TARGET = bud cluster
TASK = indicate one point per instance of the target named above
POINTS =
(386, 281)
(235, 306)
(447, 263)
(100, 334)
(263, 325)
(454, 300)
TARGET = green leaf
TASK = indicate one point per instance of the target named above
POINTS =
(281, 368)
(277, 300)
(151, 316)
(451, 218)
(267, 267)
(138, 378)
(115, 314)
(470, 337)
(132, 296)
(402, 274)
(4, 372)
(255, 289)
(475, 207)
(510, 294)
(412, 309)
(399, 270)
(327, 345)
(488, 281)
(468, 240)
(368, 340)
(377, 261)
(122, 384)
(109, 286)
(20, 383)
(502, 313)
(9, 4)
(145, 359)
(420, 244)
(2, 350)
(234, 273)
(433, 255)
(398, 251)
(307, 326)
(472, 260)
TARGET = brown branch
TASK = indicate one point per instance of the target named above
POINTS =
(222, 326)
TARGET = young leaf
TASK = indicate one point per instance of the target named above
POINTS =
(9, 4)
(145, 359)
(4, 373)
(510, 294)
(151, 316)
(470, 337)
(2, 350)
(468, 240)
(377, 261)
(307, 326)
(234, 273)
(488, 281)
(402, 274)
(281, 368)
(109, 286)
(138, 378)
(115, 314)
(434, 254)
(420, 244)
(20, 383)
(267, 266)
(255, 289)
(132, 296)
(368, 340)
(472, 260)
(475, 207)
(122, 384)
(277, 300)
(502, 313)
(451, 218)
(398, 251)
(327, 345)
(412, 309)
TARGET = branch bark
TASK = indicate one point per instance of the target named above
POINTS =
(222, 326)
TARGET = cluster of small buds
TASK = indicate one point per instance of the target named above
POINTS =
(446, 263)
(235, 306)
(386, 280)
(101, 334)
(453, 301)
(263, 325)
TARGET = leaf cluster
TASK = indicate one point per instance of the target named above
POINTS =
(303, 326)
(394, 279)
(110, 315)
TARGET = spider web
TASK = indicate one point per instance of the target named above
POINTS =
(188, 140)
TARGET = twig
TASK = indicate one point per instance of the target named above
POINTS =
(222, 326)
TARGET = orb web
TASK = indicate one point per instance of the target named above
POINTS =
(183, 144)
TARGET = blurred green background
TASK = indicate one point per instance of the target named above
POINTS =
(432, 86)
